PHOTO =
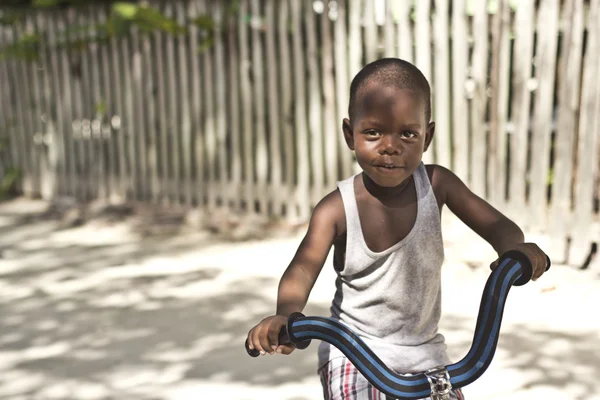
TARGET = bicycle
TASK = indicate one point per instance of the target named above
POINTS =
(514, 269)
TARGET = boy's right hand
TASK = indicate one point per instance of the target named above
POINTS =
(264, 337)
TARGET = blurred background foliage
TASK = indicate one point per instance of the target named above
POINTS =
(122, 17)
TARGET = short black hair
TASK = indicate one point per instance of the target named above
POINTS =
(392, 72)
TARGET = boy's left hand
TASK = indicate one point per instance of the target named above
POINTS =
(539, 259)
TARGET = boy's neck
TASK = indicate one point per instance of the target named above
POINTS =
(384, 193)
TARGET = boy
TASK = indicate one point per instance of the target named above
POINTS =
(384, 224)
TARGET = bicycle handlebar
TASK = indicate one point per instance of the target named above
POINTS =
(514, 269)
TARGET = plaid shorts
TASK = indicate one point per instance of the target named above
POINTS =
(342, 381)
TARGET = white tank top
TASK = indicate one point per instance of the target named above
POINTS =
(392, 299)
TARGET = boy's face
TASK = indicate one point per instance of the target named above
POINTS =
(389, 132)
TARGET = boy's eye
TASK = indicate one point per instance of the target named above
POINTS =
(408, 134)
(372, 133)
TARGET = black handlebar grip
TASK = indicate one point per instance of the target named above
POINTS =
(526, 267)
(283, 339)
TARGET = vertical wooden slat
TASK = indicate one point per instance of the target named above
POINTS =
(246, 90)
(57, 150)
(543, 110)
(479, 101)
(141, 78)
(172, 160)
(314, 107)
(37, 151)
(128, 119)
(342, 83)
(261, 160)
(220, 111)
(300, 112)
(162, 146)
(423, 50)
(7, 115)
(521, 102)
(11, 110)
(496, 158)
(98, 95)
(82, 102)
(441, 84)
(569, 79)
(460, 112)
(67, 106)
(404, 32)
(183, 147)
(274, 113)
(117, 117)
(197, 107)
(328, 88)
(587, 149)
(23, 120)
(107, 136)
(355, 37)
(235, 130)
(149, 135)
(287, 109)
(503, 102)
(389, 44)
(370, 31)
(89, 160)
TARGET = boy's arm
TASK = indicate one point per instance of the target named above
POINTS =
(300, 276)
(489, 223)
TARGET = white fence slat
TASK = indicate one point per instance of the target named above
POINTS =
(404, 32)
(423, 53)
(315, 107)
(303, 160)
(247, 101)
(568, 103)
(329, 132)
(235, 129)
(261, 152)
(588, 141)
(460, 110)
(287, 108)
(275, 166)
(441, 84)
(480, 98)
(342, 83)
(183, 142)
(543, 110)
(521, 102)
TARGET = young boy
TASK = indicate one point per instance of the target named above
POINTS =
(384, 224)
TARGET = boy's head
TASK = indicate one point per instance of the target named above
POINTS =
(389, 124)
(390, 72)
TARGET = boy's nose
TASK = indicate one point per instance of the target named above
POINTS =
(389, 146)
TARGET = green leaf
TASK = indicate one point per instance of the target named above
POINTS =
(125, 10)
(44, 3)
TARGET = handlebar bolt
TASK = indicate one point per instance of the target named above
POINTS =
(439, 381)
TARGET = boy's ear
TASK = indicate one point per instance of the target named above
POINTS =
(429, 135)
(348, 135)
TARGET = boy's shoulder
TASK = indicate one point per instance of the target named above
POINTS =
(330, 209)
(442, 180)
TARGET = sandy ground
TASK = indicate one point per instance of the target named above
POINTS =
(101, 312)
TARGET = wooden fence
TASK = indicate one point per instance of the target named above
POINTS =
(253, 121)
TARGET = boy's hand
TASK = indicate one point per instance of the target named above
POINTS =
(264, 337)
(536, 256)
